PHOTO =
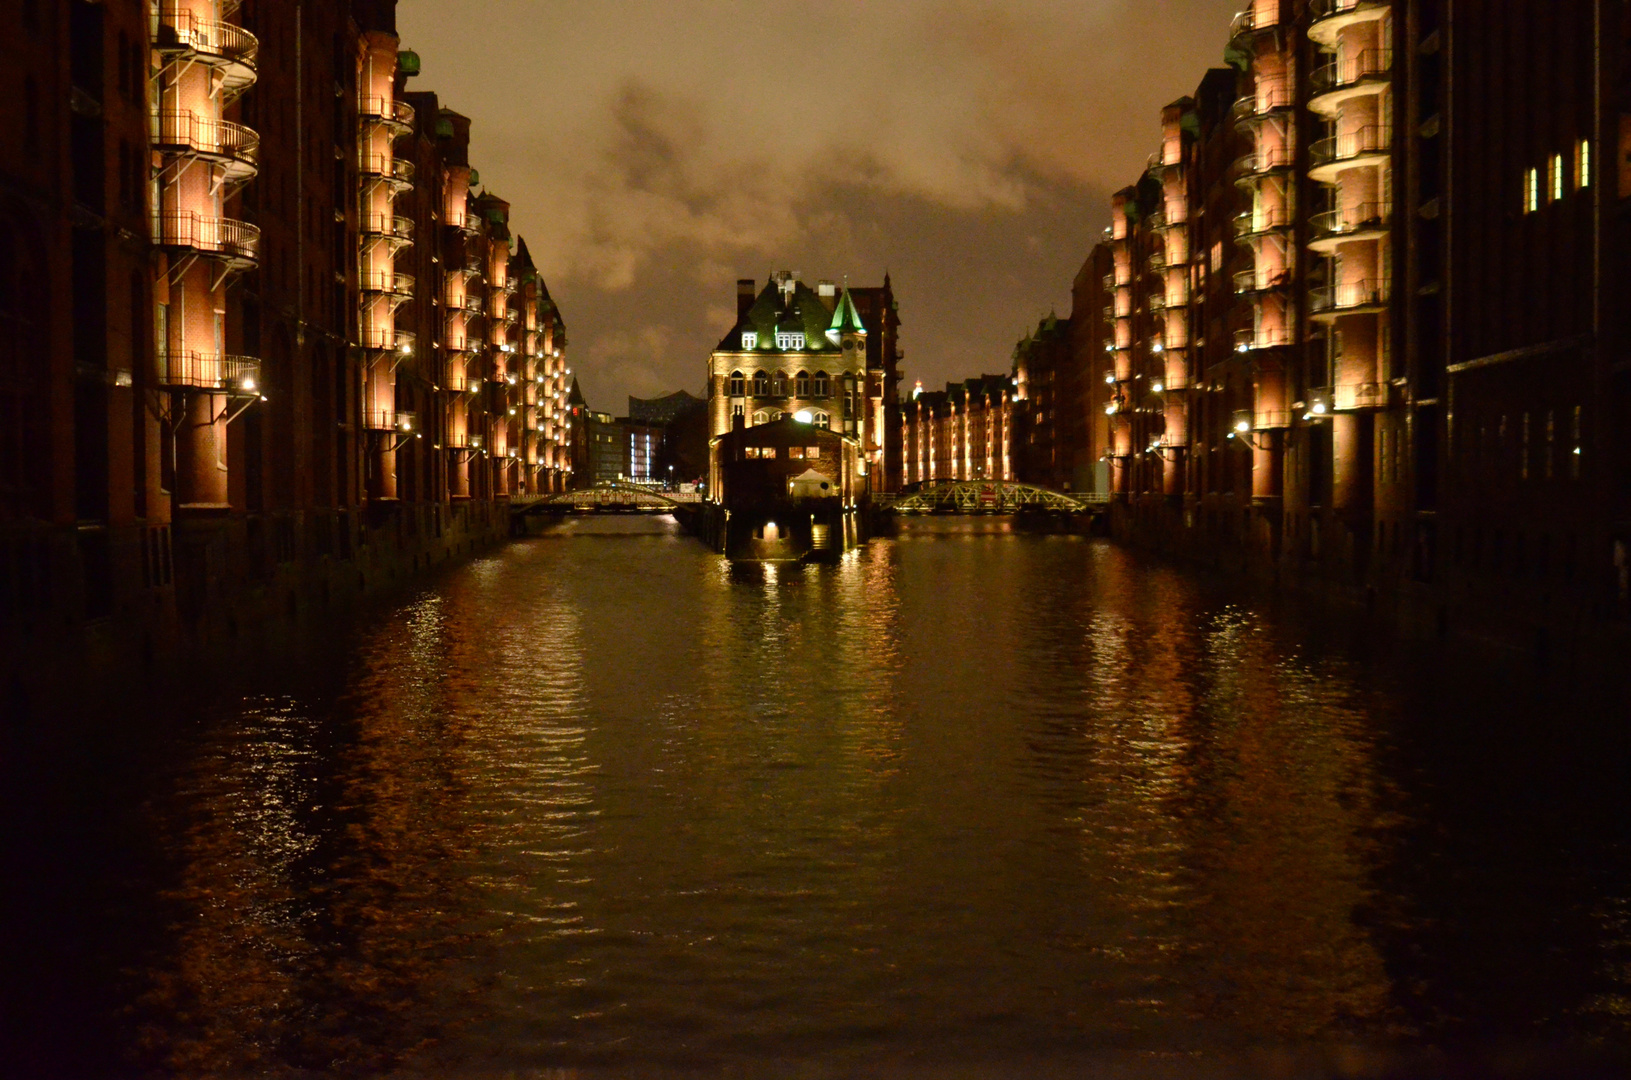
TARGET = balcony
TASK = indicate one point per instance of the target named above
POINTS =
(1350, 298)
(232, 147)
(406, 423)
(1331, 16)
(391, 282)
(1264, 161)
(1158, 262)
(1365, 221)
(470, 303)
(1265, 100)
(236, 243)
(1368, 145)
(1249, 340)
(387, 338)
(1256, 281)
(383, 168)
(1251, 21)
(181, 38)
(1250, 225)
(391, 227)
(1348, 76)
(387, 111)
(184, 369)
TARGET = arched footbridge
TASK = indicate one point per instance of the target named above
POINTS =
(612, 497)
(990, 497)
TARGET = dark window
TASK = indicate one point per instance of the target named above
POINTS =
(736, 384)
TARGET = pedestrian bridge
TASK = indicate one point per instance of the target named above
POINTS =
(989, 497)
(612, 497)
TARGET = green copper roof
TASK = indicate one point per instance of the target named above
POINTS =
(801, 312)
(845, 319)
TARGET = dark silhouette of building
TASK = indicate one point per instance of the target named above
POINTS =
(264, 347)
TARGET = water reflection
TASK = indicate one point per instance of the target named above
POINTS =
(602, 801)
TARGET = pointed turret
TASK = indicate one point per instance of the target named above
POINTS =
(845, 319)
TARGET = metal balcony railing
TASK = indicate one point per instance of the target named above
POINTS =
(389, 226)
(1361, 142)
(1158, 261)
(1266, 159)
(174, 30)
(391, 420)
(387, 281)
(383, 110)
(233, 145)
(209, 371)
(1250, 281)
(1248, 339)
(1350, 295)
(387, 338)
(1252, 20)
(1252, 223)
(469, 302)
(1266, 98)
(1324, 9)
(1351, 70)
(237, 242)
(1363, 217)
(396, 171)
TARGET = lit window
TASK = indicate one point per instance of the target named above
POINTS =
(1531, 191)
(786, 339)
(759, 417)
(795, 452)
(812, 451)
(750, 339)
(822, 419)
(1557, 177)
(1582, 164)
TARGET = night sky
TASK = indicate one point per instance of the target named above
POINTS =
(654, 151)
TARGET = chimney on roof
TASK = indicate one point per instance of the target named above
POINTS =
(828, 293)
(744, 296)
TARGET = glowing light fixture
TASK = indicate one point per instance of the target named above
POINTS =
(804, 416)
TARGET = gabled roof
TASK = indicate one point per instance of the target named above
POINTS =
(801, 311)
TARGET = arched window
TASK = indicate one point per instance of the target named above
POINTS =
(775, 414)
(820, 384)
(736, 384)
(759, 417)
(801, 385)
(823, 420)
(761, 384)
(781, 384)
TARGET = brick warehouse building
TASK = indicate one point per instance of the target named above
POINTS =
(1363, 313)
(265, 345)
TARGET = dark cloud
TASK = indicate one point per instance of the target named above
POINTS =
(656, 150)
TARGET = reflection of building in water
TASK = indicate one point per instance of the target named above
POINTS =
(785, 489)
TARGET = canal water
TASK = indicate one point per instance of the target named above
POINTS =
(970, 803)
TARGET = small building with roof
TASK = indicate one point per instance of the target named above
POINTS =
(785, 490)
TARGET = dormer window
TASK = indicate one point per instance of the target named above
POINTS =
(787, 339)
(750, 339)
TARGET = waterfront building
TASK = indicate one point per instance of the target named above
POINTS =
(830, 352)
(263, 349)
(1047, 420)
(1371, 270)
(960, 433)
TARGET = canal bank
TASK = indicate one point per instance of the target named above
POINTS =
(205, 594)
(969, 799)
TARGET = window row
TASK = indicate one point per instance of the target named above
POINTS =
(1557, 178)
(798, 453)
(764, 384)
